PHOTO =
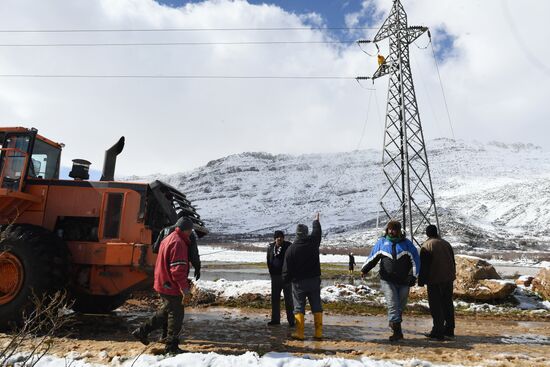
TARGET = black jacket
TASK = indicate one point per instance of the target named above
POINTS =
(275, 262)
(302, 258)
(193, 251)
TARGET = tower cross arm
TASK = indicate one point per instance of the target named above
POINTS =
(414, 32)
(384, 32)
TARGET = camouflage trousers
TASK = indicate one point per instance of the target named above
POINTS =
(170, 316)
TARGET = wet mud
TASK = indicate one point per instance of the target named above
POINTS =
(495, 342)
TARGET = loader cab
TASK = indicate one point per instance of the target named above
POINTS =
(25, 154)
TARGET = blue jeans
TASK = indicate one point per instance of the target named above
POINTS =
(396, 299)
(307, 288)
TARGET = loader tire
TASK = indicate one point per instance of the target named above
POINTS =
(86, 303)
(33, 260)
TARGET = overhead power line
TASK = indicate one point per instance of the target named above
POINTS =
(442, 90)
(84, 76)
(172, 43)
(181, 30)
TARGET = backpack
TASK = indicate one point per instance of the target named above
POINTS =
(162, 235)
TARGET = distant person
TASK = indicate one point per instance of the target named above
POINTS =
(171, 283)
(275, 258)
(438, 272)
(399, 266)
(351, 263)
(303, 268)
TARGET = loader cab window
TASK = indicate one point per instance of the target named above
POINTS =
(12, 162)
(113, 213)
(44, 161)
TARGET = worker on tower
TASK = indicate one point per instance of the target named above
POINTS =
(303, 268)
(399, 267)
(382, 64)
(171, 283)
(276, 252)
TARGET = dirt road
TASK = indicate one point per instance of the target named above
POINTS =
(234, 331)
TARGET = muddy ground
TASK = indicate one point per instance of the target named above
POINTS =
(479, 341)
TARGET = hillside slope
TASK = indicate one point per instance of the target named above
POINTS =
(496, 194)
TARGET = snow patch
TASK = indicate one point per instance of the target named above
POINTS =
(234, 289)
(248, 359)
(346, 293)
(526, 339)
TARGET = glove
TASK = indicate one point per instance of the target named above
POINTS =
(412, 281)
(186, 300)
(197, 273)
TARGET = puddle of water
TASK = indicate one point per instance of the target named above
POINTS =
(525, 339)
(214, 274)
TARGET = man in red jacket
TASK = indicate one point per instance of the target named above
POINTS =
(171, 283)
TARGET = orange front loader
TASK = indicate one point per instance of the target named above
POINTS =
(92, 238)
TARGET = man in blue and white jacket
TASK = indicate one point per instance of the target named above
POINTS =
(399, 268)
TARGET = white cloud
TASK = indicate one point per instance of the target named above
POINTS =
(174, 125)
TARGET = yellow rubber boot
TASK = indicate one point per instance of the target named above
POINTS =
(299, 332)
(318, 320)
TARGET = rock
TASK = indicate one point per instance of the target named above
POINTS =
(253, 297)
(486, 290)
(418, 293)
(470, 269)
(524, 280)
(478, 280)
(200, 297)
(541, 283)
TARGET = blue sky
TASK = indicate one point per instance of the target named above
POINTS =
(332, 11)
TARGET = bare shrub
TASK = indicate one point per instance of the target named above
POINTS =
(34, 338)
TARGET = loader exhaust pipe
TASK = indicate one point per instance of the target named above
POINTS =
(109, 163)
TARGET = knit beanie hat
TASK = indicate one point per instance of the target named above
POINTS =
(302, 230)
(184, 224)
(278, 234)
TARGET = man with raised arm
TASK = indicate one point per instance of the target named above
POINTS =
(303, 268)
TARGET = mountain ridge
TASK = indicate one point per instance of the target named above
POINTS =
(491, 193)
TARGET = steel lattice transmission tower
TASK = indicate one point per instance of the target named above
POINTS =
(407, 192)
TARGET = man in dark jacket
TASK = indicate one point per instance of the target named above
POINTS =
(351, 263)
(171, 283)
(399, 266)
(438, 272)
(275, 258)
(194, 257)
(303, 268)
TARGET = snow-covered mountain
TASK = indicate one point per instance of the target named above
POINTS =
(486, 193)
